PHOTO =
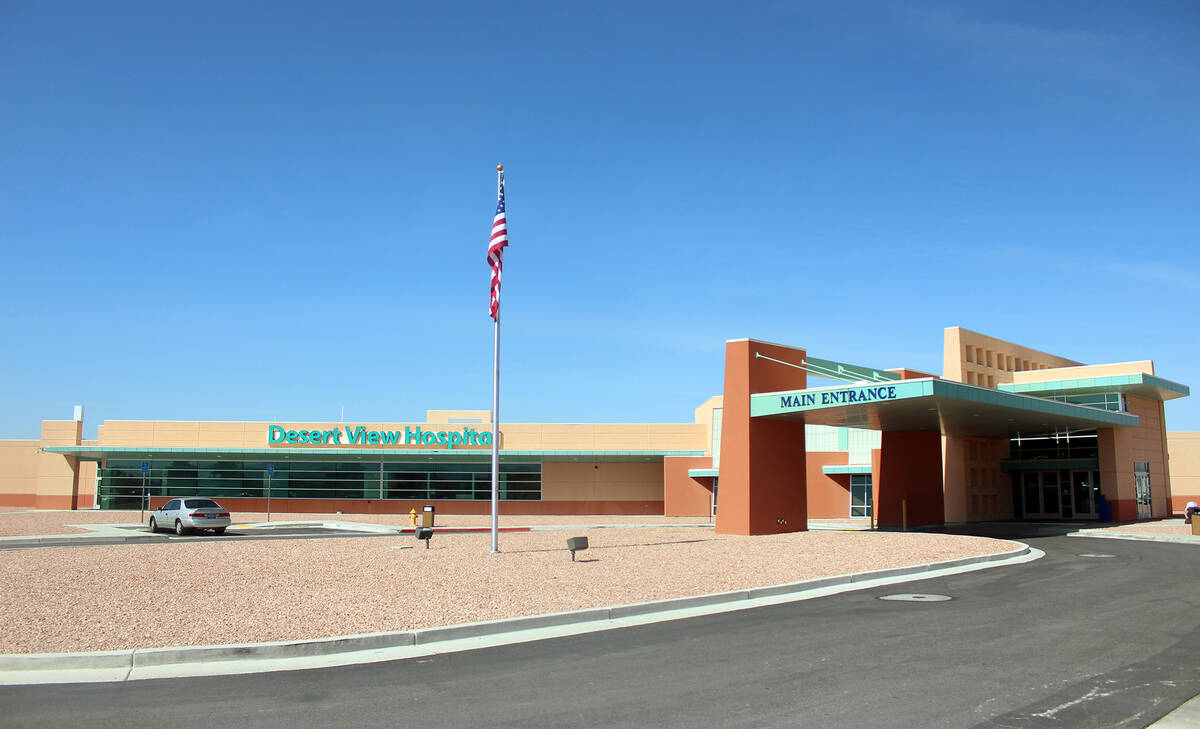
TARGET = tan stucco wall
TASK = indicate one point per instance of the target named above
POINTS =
(602, 481)
(974, 487)
(517, 436)
(1007, 358)
(1184, 450)
(1073, 373)
(18, 472)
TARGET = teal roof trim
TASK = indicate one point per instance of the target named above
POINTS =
(824, 398)
(841, 470)
(1021, 401)
(702, 472)
(1110, 383)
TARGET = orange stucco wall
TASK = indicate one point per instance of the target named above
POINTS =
(682, 494)
(828, 496)
(762, 487)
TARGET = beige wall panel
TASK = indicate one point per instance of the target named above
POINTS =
(57, 475)
(602, 482)
(1184, 449)
(955, 363)
(19, 466)
(1083, 371)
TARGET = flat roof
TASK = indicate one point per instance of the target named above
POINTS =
(1138, 383)
(935, 405)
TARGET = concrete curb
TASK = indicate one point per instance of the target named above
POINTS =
(128, 660)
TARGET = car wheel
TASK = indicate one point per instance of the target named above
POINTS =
(219, 530)
(153, 525)
(179, 528)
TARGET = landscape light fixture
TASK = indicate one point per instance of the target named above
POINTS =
(576, 544)
(425, 534)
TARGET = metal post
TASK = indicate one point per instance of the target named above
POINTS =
(268, 495)
(496, 435)
(142, 514)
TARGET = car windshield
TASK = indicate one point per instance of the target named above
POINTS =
(201, 504)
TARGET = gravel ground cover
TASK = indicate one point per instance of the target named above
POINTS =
(215, 592)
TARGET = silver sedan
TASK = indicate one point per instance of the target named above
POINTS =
(186, 515)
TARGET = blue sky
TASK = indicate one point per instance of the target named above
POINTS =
(245, 211)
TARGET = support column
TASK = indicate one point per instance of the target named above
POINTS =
(58, 476)
(763, 485)
(910, 479)
(1116, 471)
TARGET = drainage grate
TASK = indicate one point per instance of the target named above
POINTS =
(916, 597)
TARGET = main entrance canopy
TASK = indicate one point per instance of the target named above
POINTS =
(933, 405)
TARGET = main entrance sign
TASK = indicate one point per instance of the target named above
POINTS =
(838, 397)
(359, 435)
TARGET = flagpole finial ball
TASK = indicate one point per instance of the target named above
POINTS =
(499, 168)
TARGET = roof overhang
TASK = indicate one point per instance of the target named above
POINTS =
(934, 405)
(1138, 383)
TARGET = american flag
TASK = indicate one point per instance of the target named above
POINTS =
(498, 243)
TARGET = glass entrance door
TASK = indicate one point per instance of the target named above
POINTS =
(1084, 487)
(1141, 486)
(1040, 492)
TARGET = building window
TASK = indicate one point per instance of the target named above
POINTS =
(989, 358)
(860, 496)
(121, 482)
(970, 354)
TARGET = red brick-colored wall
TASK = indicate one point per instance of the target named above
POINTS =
(909, 479)
(763, 489)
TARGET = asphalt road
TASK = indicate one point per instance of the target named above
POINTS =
(1071, 640)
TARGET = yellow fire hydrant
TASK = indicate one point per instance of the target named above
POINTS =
(412, 518)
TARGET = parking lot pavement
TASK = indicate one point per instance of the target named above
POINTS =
(109, 534)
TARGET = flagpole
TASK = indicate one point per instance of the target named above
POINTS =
(496, 435)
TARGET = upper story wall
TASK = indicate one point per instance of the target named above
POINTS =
(1074, 373)
(515, 436)
(978, 359)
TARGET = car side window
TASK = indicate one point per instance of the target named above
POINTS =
(171, 505)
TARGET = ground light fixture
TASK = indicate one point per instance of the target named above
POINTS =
(425, 534)
(576, 544)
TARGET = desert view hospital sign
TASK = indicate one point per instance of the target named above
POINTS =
(360, 435)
